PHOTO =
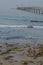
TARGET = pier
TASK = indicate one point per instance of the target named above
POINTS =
(36, 10)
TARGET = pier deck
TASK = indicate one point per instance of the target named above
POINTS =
(37, 10)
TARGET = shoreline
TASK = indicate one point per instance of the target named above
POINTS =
(21, 54)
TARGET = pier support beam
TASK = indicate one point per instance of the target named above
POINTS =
(34, 10)
(39, 11)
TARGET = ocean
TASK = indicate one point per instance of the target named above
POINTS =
(15, 27)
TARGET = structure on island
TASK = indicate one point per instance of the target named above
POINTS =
(37, 10)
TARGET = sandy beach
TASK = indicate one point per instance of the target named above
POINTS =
(17, 54)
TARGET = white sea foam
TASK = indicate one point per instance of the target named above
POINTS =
(13, 25)
(37, 26)
(20, 26)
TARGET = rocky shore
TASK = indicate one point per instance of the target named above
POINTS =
(21, 54)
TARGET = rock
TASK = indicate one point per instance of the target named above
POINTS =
(8, 57)
(1, 63)
(5, 51)
(24, 63)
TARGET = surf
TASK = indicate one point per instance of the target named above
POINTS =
(20, 26)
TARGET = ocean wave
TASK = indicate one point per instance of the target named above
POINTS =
(13, 25)
(5, 18)
(16, 37)
(36, 21)
(12, 37)
(20, 26)
(37, 26)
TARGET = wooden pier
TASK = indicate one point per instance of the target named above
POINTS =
(37, 10)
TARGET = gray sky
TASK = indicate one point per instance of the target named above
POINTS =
(6, 4)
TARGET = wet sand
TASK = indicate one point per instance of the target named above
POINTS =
(17, 54)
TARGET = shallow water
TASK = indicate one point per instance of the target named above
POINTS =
(14, 27)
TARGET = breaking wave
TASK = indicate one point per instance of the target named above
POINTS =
(21, 26)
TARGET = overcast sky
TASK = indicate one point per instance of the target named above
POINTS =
(6, 4)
